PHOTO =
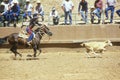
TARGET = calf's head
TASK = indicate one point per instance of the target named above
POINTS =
(108, 43)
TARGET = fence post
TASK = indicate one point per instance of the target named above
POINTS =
(75, 18)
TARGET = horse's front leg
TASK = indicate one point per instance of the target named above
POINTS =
(38, 47)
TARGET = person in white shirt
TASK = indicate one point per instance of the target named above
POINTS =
(55, 16)
(28, 9)
(6, 5)
(6, 12)
(39, 9)
(67, 7)
(110, 7)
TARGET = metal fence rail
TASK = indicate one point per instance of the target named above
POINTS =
(76, 19)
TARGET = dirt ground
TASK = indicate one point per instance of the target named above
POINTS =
(60, 64)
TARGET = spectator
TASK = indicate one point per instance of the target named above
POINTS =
(39, 10)
(6, 12)
(118, 9)
(98, 9)
(15, 12)
(84, 8)
(11, 2)
(55, 16)
(111, 7)
(67, 7)
(1, 12)
(28, 9)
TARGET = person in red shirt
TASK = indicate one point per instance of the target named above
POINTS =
(98, 9)
(29, 28)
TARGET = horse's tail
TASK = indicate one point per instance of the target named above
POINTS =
(3, 40)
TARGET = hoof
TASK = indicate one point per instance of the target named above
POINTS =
(29, 55)
(20, 55)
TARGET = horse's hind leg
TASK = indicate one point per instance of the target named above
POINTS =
(39, 50)
(14, 50)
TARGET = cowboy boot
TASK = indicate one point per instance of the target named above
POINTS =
(29, 43)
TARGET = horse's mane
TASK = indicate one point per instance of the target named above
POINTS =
(43, 26)
(36, 30)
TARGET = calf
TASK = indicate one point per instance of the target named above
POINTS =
(95, 47)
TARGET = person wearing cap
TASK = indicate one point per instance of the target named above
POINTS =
(67, 7)
(11, 2)
(28, 10)
(55, 16)
(32, 23)
(110, 7)
(39, 9)
(84, 10)
(15, 12)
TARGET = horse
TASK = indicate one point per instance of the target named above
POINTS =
(14, 40)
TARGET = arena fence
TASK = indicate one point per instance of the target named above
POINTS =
(74, 33)
(76, 19)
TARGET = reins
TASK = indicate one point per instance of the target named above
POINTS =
(42, 31)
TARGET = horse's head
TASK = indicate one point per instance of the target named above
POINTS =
(44, 30)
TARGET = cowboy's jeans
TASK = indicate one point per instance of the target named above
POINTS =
(31, 37)
(111, 8)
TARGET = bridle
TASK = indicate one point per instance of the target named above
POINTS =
(41, 31)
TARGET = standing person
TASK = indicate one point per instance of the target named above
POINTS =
(28, 10)
(67, 7)
(111, 7)
(39, 9)
(55, 16)
(98, 9)
(84, 10)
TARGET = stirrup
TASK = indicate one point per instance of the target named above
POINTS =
(28, 43)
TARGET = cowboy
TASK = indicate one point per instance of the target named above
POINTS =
(29, 30)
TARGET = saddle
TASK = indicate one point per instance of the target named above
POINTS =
(23, 34)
